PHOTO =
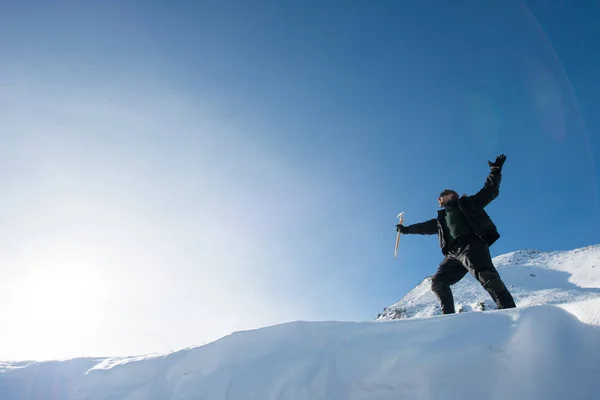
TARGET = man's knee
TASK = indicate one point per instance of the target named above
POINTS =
(438, 284)
(494, 285)
(489, 278)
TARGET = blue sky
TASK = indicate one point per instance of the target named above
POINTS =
(175, 172)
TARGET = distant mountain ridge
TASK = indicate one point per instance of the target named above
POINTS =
(534, 278)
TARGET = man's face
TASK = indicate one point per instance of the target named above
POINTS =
(443, 200)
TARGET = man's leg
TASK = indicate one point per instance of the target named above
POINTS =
(449, 272)
(476, 257)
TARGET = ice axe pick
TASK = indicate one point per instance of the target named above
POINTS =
(401, 218)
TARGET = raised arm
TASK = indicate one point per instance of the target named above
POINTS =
(422, 228)
(491, 188)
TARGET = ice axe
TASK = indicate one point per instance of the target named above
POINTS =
(401, 217)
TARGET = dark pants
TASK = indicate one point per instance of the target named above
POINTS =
(470, 254)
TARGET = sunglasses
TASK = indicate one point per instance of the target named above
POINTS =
(446, 192)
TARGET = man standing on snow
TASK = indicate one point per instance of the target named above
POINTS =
(465, 233)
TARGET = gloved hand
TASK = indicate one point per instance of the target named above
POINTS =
(400, 228)
(498, 163)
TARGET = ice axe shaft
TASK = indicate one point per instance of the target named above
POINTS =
(401, 219)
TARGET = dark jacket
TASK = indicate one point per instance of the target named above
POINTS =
(472, 208)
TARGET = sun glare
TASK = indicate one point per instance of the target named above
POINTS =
(57, 309)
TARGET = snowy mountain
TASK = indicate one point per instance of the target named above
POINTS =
(549, 351)
(533, 277)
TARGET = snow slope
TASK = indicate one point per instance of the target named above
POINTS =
(531, 352)
(539, 352)
(533, 277)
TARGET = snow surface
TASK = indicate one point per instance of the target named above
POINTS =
(531, 352)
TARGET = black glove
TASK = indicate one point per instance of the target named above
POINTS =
(498, 163)
(401, 228)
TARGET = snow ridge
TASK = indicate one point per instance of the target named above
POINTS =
(539, 352)
(530, 352)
